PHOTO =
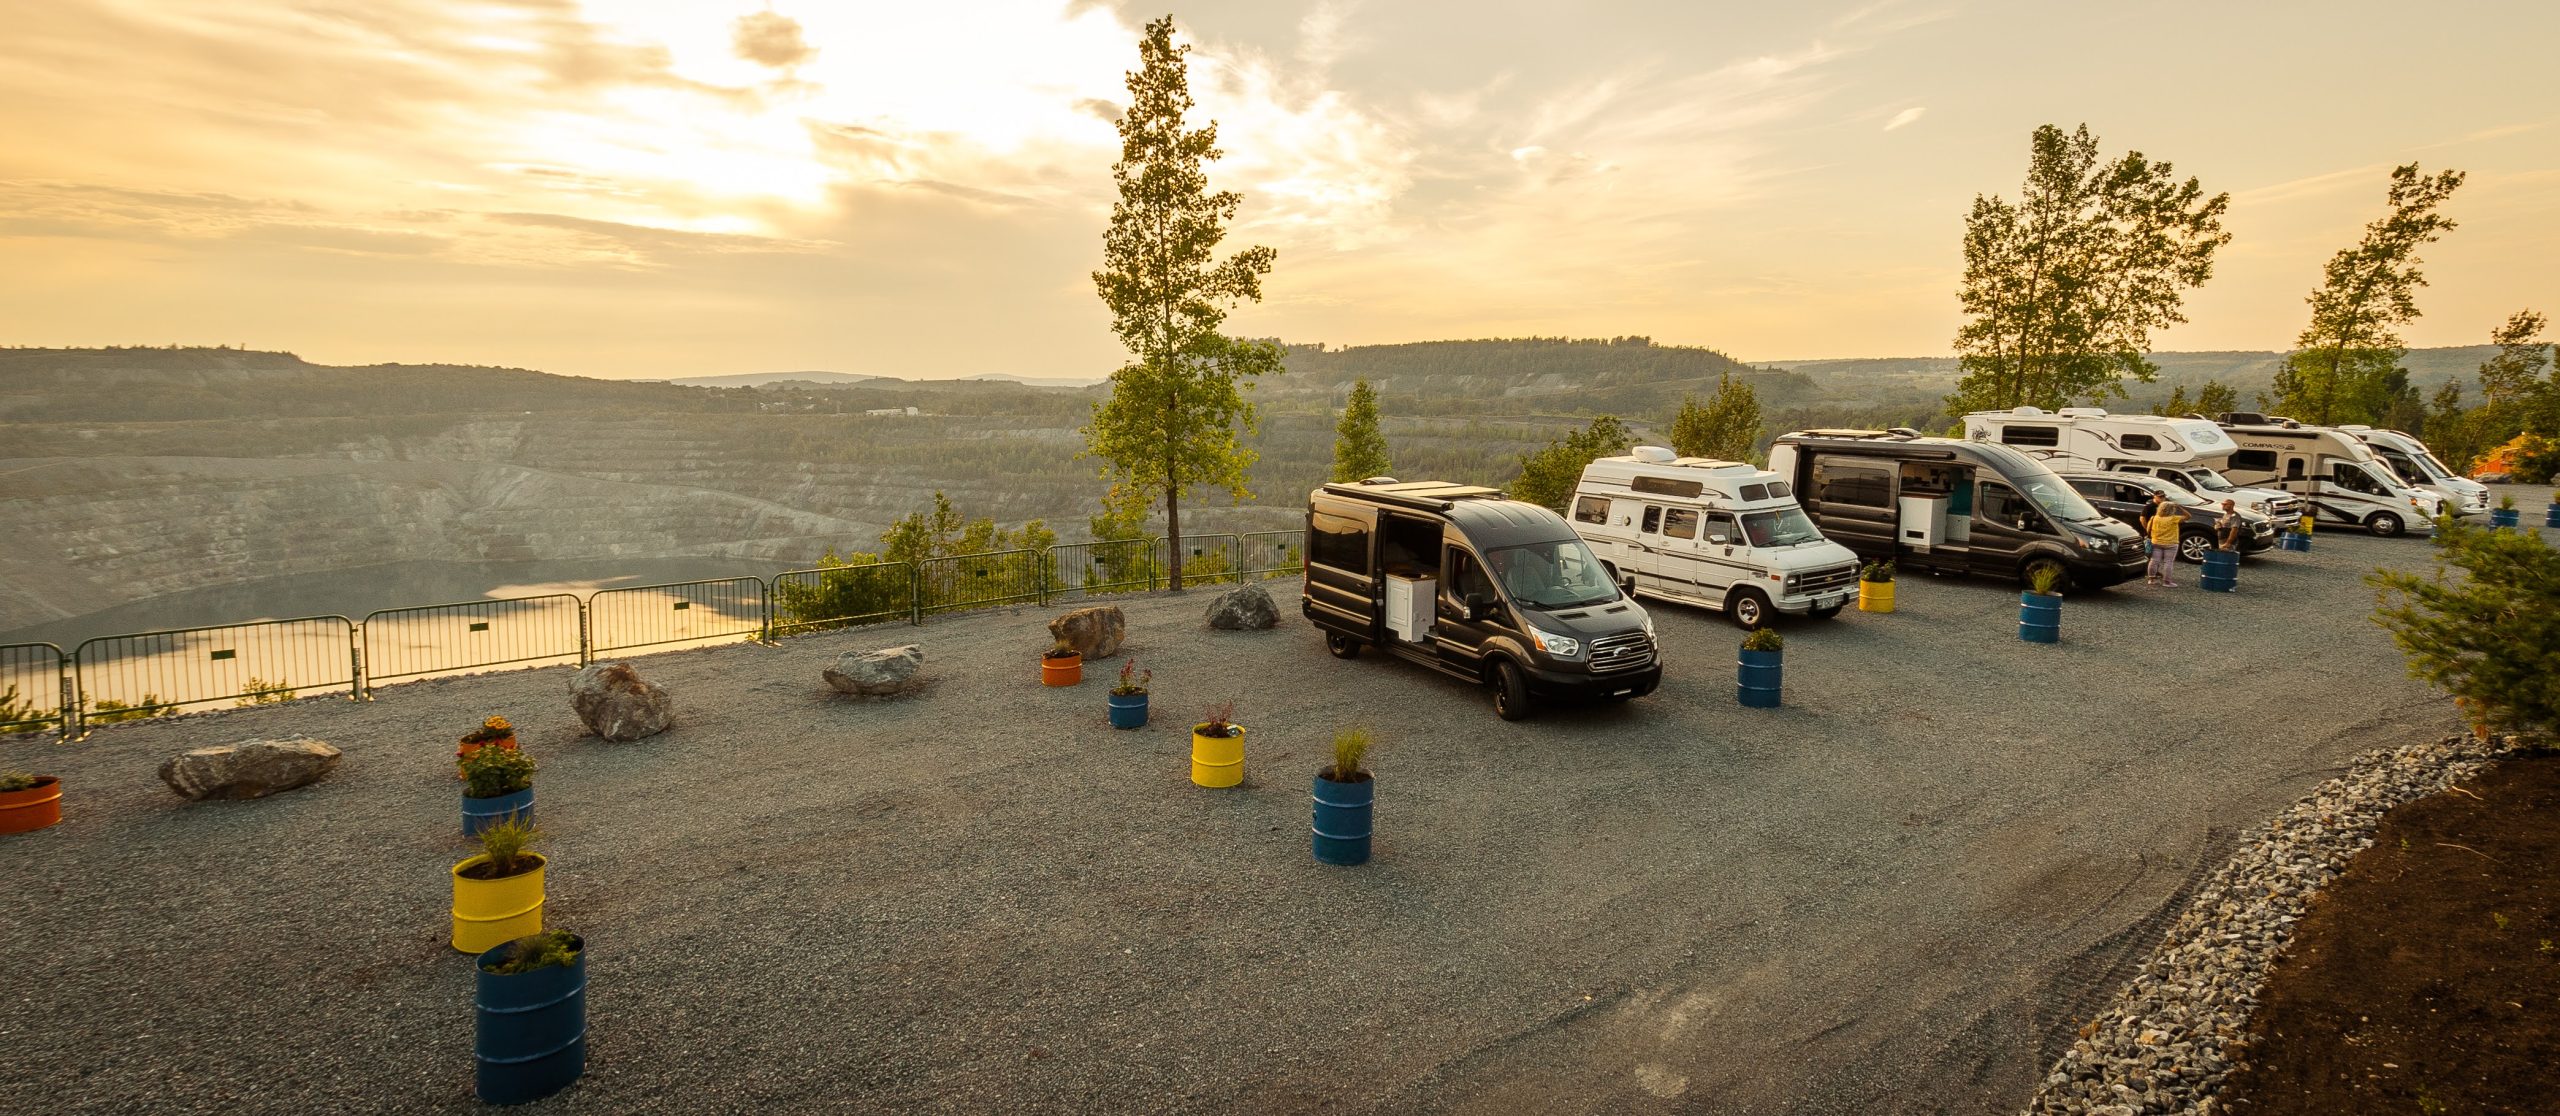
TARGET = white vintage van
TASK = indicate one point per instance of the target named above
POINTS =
(1721, 534)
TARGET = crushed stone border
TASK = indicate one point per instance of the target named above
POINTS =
(2165, 1043)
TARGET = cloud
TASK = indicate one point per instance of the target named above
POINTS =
(1905, 117)
(770, 39)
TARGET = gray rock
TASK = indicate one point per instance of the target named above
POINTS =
(1244, 608)
(1096, 633)
(249, 769)
(618, 705)
(881, 673)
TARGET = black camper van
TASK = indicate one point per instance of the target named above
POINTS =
(1491, 590)
(1952, 506)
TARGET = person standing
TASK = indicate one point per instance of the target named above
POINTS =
(2227, 529)
(2164, 523)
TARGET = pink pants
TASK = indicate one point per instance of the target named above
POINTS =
(2163, 560)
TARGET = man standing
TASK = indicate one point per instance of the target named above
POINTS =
(2227, 529)
(2166, 519)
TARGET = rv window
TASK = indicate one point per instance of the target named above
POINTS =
(1661, 486)
(1461, 576)
(2254, 461)
(2031, 435)
(1340, 542)
(1652, 520)
(2293, 468)
(1591, 509)
(1836, 483)
(2138, 442)
(1680, 523)
(2353, 478)
(1755, 492)
(1779, 490)
(1720, 528)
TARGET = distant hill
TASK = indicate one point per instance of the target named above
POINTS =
(1528, 375)
(760, 379)
(2248, 372)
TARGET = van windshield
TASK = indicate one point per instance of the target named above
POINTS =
(1783, 527)
(1551, 575)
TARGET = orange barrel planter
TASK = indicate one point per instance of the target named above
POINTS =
(39, 806)
(1217, 761)
(1064, 670)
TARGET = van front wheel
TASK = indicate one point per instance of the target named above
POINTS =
(1342, 646)
(1749, 608)
(2384, 525)
(1510, 691)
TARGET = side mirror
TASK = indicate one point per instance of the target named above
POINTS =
(1720, 538)
(1627, 584)
(1478, 607)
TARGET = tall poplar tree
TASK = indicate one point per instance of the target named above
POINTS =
(1177, 414)
(1727, 426)
(1359, 450)
(2341, 366)
(2064, 286)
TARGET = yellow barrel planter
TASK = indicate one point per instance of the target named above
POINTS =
(490, 913)
(1875, 587)
(1217, 760)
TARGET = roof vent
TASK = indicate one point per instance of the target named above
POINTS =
(1654, 455)
(1379, 480)
(2082, 412)
(2028, 411)
(1905, 432)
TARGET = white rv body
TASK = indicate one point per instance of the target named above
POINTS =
(1721, 534)
(2188, 452)
(2335, 471)
(2418, 467)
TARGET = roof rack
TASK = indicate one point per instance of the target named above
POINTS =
(1425, 495)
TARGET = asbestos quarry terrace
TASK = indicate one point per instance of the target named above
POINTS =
(1895, 894)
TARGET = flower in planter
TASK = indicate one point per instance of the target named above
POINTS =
(490, 731)
(1879, 571)
(1132, 680)
(1764, 639)
(1220, 722)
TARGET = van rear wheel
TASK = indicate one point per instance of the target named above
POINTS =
(1342, 646)
(1510, 691)
(2384, 525)
(1749, 608)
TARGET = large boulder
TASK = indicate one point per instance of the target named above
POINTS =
(1094, 632)
(617, 704)
(882, 673)
(249, 769)
(1244, 608)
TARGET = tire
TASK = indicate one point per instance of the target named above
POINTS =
(1510, 691)
(1827, 613)
(1342, 646)
(1749, 608)
(2193, 545)
(2027, 573)
(2384, 525)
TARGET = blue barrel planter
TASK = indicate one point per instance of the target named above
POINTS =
(2040, 617)
(2551, 516)
(2221, 570)
(1758, 676)
(1128, 711)
(1342, 820)
(2297, 540)
(481, 813)
(2505, 517)
(533, 1029)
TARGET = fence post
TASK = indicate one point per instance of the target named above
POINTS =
(586, 644)
(70, 706)
(357, 690)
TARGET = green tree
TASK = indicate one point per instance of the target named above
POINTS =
(2176, 404)
(2490, 637)
(2216, 398)
(1547, 476)
(2520, 394)
(1177, 413)
(1359, 450)
(1727, 427)
(2449, 429)
(2063, 288)
(2338, 370)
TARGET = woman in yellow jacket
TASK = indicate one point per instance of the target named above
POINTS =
(2163, 523)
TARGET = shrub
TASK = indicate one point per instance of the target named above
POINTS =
(536, 951)
(1879, 571)
(493, 729)
(1350, 747)
(2536, 459)
(1764, 639)
(259, 691)
(18, 715)
(2505, 503)
(109, 711)
(1064, 650)
(507, 845)
(2491, 638)
(1132, 680)
(1221, 720)
(2043, 578)
(18, 781)
(489, 772)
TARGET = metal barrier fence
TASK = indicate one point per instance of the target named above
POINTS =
(842, 597)
(403, 643)
(35, 688)
(152, 674)
(677, 612)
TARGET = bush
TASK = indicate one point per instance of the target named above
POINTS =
(1879, 571)
(508, 846)
(1350, 747)
(109, 711)
(492, 771)
(536, 951)
(2536, 460)
(18, 781)
(2490, 638)
(1764, 639)
(259, 691)
(2043, 578)
(23, 715)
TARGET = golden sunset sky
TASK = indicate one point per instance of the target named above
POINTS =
(633, 188)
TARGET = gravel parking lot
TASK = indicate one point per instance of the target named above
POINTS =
(1896, 894)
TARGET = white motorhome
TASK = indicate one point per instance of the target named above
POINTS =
(1721, 534)
(2186, 451)
(2335, 471)
(2418, 467)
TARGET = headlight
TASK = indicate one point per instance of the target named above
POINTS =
(2258, 506)
(2093, 542)
(1562, 647)
(1647, 621)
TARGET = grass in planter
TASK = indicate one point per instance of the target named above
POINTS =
(491, 772)
(1064, 650)
(18, 781)
(1764, 639)
(1350, 748)
(536, 951)
(508, 846)
(1879, 571)
(2042, 579)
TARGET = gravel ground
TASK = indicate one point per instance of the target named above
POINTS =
(1901, 893)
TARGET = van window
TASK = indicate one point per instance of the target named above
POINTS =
(1847, 483)
(1591, 509)
(1461, 576)
(2353, 478)
(1652, 519)
(2254, 461)
(1755, 492)
(2293, 468)
(1780, 490)
(2138, 442)
(1409, 546)
(2015, 435)
(2001, 504)
(1680, 523)
(1720, 528)
(1340, 542)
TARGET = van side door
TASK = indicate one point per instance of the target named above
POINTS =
(1344, 593)
(2005, 524)
(1459, 641)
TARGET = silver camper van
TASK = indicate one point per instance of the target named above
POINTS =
(1720, 534)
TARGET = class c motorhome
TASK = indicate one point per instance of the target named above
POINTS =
(2185, 451)
(1951, 505)
(1722, 534)
(2418, 467)
(1459, 579)
(2334, 471)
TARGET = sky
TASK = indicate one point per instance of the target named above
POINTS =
(656, 188)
